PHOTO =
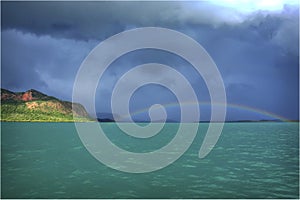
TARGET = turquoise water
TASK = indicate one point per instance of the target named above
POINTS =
(250, 160)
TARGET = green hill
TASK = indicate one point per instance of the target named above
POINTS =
(33, 105)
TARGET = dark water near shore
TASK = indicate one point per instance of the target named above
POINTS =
(250, 160)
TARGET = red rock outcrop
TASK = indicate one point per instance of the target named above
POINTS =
(27, 96)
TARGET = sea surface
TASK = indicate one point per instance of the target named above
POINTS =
(250, 160)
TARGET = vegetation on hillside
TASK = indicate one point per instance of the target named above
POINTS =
(35, 106)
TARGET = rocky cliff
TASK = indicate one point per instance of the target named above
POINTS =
(33, 105)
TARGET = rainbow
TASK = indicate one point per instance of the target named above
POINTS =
(229, 105)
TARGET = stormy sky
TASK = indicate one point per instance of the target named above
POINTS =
(255, 45)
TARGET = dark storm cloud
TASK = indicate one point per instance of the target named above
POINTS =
(43, 44)
(41, 63)
(79, 20)
(95, 20)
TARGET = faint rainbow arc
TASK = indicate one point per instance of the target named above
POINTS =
(229, 105)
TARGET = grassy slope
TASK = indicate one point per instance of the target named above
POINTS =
(45, 111)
